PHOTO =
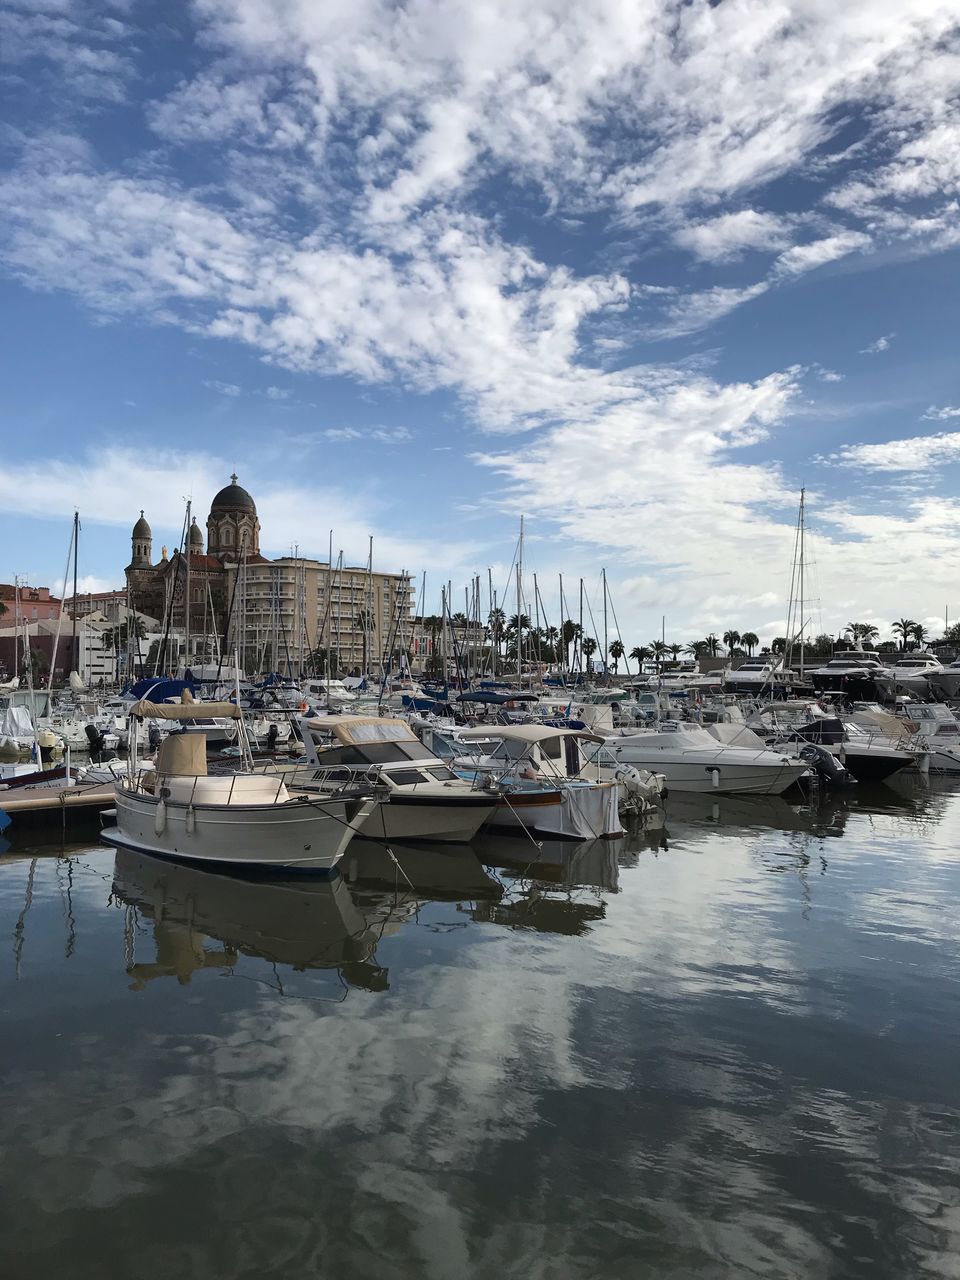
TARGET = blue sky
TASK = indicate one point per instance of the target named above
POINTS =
(637, 271)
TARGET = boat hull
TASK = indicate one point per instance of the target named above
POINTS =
(423, 818)
(706, 772)
(295, 836)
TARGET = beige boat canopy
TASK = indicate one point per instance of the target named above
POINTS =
(357, 729)
(146, 710)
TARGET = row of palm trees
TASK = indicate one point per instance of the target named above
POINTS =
(505, 634)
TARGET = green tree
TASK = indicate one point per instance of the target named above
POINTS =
(778, 644)
(903, 627)
(616, 653)
(639, 653)
(749, 640)
(114, 639)
(696, 648)
(589, 647)
(675, 650)
(497, 622)
(713, 645)
(920, 634)
(569, 632)
(862, 631)
(659, 652)
(731, 639)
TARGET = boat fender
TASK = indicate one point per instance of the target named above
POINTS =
(191, 820)
(160, 818)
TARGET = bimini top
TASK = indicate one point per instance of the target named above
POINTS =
(525, 733)
(356, 729)
(146, 710)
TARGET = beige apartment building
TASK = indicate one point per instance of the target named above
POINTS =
(289, 608)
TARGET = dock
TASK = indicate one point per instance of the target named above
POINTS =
(46, 803)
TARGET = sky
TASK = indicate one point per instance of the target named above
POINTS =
(637, 270)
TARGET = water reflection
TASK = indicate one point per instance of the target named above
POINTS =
(300, 923)
(644, 1057)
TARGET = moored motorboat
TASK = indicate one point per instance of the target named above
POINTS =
(418, 796)
(236, 820)
(691, 759)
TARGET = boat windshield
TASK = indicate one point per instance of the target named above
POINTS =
(366, 753)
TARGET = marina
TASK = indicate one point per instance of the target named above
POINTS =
(479, 640)
(741, 1014)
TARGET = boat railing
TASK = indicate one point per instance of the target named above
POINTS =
(159, 789)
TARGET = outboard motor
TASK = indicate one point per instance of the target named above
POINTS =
(94, 739)
(153, 737)
(272, 734)
(826, 766)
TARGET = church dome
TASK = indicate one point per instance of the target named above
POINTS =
(141, 529)
(196, 534)
(233, 498)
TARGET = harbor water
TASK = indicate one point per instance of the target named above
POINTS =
(727, 1045)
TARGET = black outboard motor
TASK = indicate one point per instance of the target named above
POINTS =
(272, 734)
(153, 737)
(826, 766)
(94, 739)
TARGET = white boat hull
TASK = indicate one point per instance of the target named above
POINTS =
(295, 836)
(415, 818)
(708, 771)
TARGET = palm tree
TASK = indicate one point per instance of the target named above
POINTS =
(616, 653)
(639, 653)
(695, 648)
(730, 639)
(903, 627)
(659, 651)
(552, 637)
(862, 631)
(675, 650)
(589, 647)
(749, 640)
(497, 621)
(569, 632)
(920, 634)
(712, 644)
(778, 644)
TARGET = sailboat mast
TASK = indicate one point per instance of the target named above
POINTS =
(606, 647)
(803, 496)
(186, 615)
(76, 530)
(520, 607)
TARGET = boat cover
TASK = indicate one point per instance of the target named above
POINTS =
(146, 710)
(16, 723)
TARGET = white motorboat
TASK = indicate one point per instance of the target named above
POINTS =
(945, 683)
(910, 674)
(870, 751)
(237, 820)
(548, 784)
(691, 759)
(419, 797)
(938, 731)
(759, 677)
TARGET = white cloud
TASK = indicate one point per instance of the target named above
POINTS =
(224, 388)
(100, 485)
(806, 257)
(934, 414)
(727, 236)
(920, 453)
(881, 344)
(277, 393)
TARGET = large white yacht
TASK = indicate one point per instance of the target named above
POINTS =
(909, 673)
(945, 683)
(760, 677)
